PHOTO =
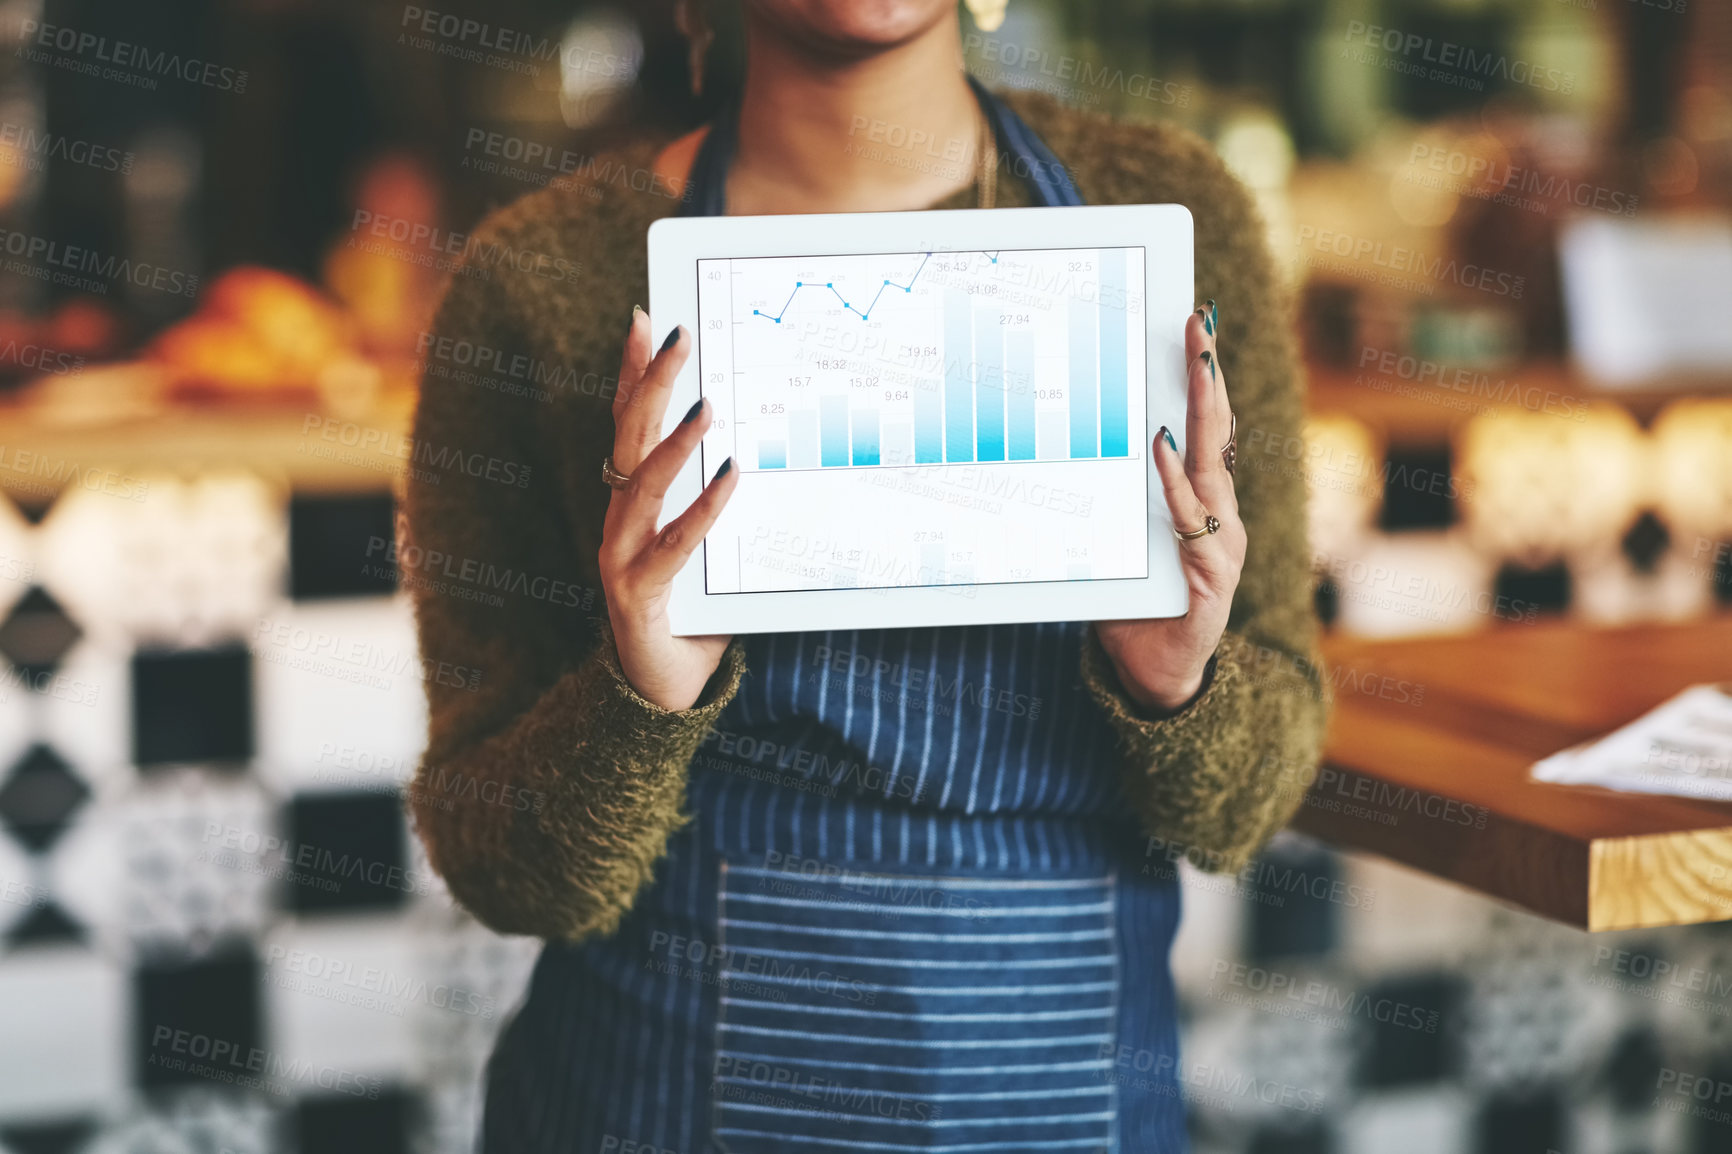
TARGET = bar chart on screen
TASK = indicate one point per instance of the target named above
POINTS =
(968, 377)
(927, 358)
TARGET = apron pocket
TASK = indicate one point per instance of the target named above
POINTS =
(881, 1012)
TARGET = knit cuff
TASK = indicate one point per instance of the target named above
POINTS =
(644, 714)
(1221, 692)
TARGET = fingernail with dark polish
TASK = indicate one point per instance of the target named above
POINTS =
(727, 465)
(673, 339)
(1214, 317)
(1208, 359)
(1168, 434)
(692, 413)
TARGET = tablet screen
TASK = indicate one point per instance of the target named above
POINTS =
(926, 418)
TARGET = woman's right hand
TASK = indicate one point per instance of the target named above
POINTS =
(638, 562)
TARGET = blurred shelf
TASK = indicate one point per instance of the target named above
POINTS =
(284, 441)
(1488, 706)
(1405, 410)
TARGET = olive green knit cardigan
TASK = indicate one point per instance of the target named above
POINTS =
(549, 787)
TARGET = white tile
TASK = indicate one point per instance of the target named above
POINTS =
(18, 563)
(194, 1121)
(175, 857)
(340, 698)
(65, 1016)
(346, 992)
(86, 714)
(1435, 1121)
(22, 888)
(1414, 921)
(190, 563)
(1212, 927)
(1414, 583)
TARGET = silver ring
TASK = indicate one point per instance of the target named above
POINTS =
(613, 476)
(1210, 525)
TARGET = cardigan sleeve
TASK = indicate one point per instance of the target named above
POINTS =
(549, 787)
(1223, 774)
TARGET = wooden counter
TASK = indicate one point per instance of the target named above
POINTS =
(1463, 720)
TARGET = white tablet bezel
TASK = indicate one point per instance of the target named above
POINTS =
(1164, 231)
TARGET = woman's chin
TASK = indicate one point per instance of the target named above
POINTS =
(852, 27)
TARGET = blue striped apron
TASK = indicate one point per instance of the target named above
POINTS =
(910, 913)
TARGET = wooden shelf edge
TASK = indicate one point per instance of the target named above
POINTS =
(1541, 870)
(1671, 879)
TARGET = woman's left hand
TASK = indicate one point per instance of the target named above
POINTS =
(1161, 662)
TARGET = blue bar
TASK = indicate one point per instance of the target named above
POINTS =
(988, 384)
(772, 454)
(958, 382)
(803, 439)
(928, 421)
(833, 423)
(865, 436)
(1083, 381)
(1115, 417)
(1019, 392)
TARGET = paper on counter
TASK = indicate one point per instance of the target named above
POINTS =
(1683, 748)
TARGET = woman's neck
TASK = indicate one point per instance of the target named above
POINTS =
(898, 129)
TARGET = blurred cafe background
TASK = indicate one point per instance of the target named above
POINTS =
(1514, 287)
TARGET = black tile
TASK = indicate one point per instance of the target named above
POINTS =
(1297, 904)
(340, 545)
(1712, 1132)
(1528, 1124)
(346, 1124)
(1646, 542)
(1632, 1069)
(1312, 1139)
(195, 1017)
(347, 852)
(39, 797)
(1418, 488)
(37, 634)
(1722, 572)
(1543, 590)
(1417, 1045)
(46, 925)
(61, 1137)
(34, 507)
(1326, 599)
(192, 705)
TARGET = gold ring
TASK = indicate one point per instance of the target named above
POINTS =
(612, 475)
(1230, 451)
(1210, 525)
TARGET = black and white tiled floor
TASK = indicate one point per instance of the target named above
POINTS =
(218, 934)
(176, 977)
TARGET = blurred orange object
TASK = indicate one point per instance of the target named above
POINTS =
(256, 331)
(85, 326)
(387, 286)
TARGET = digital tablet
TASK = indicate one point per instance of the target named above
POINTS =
(939, 418)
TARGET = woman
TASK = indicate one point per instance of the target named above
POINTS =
(879, 890)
